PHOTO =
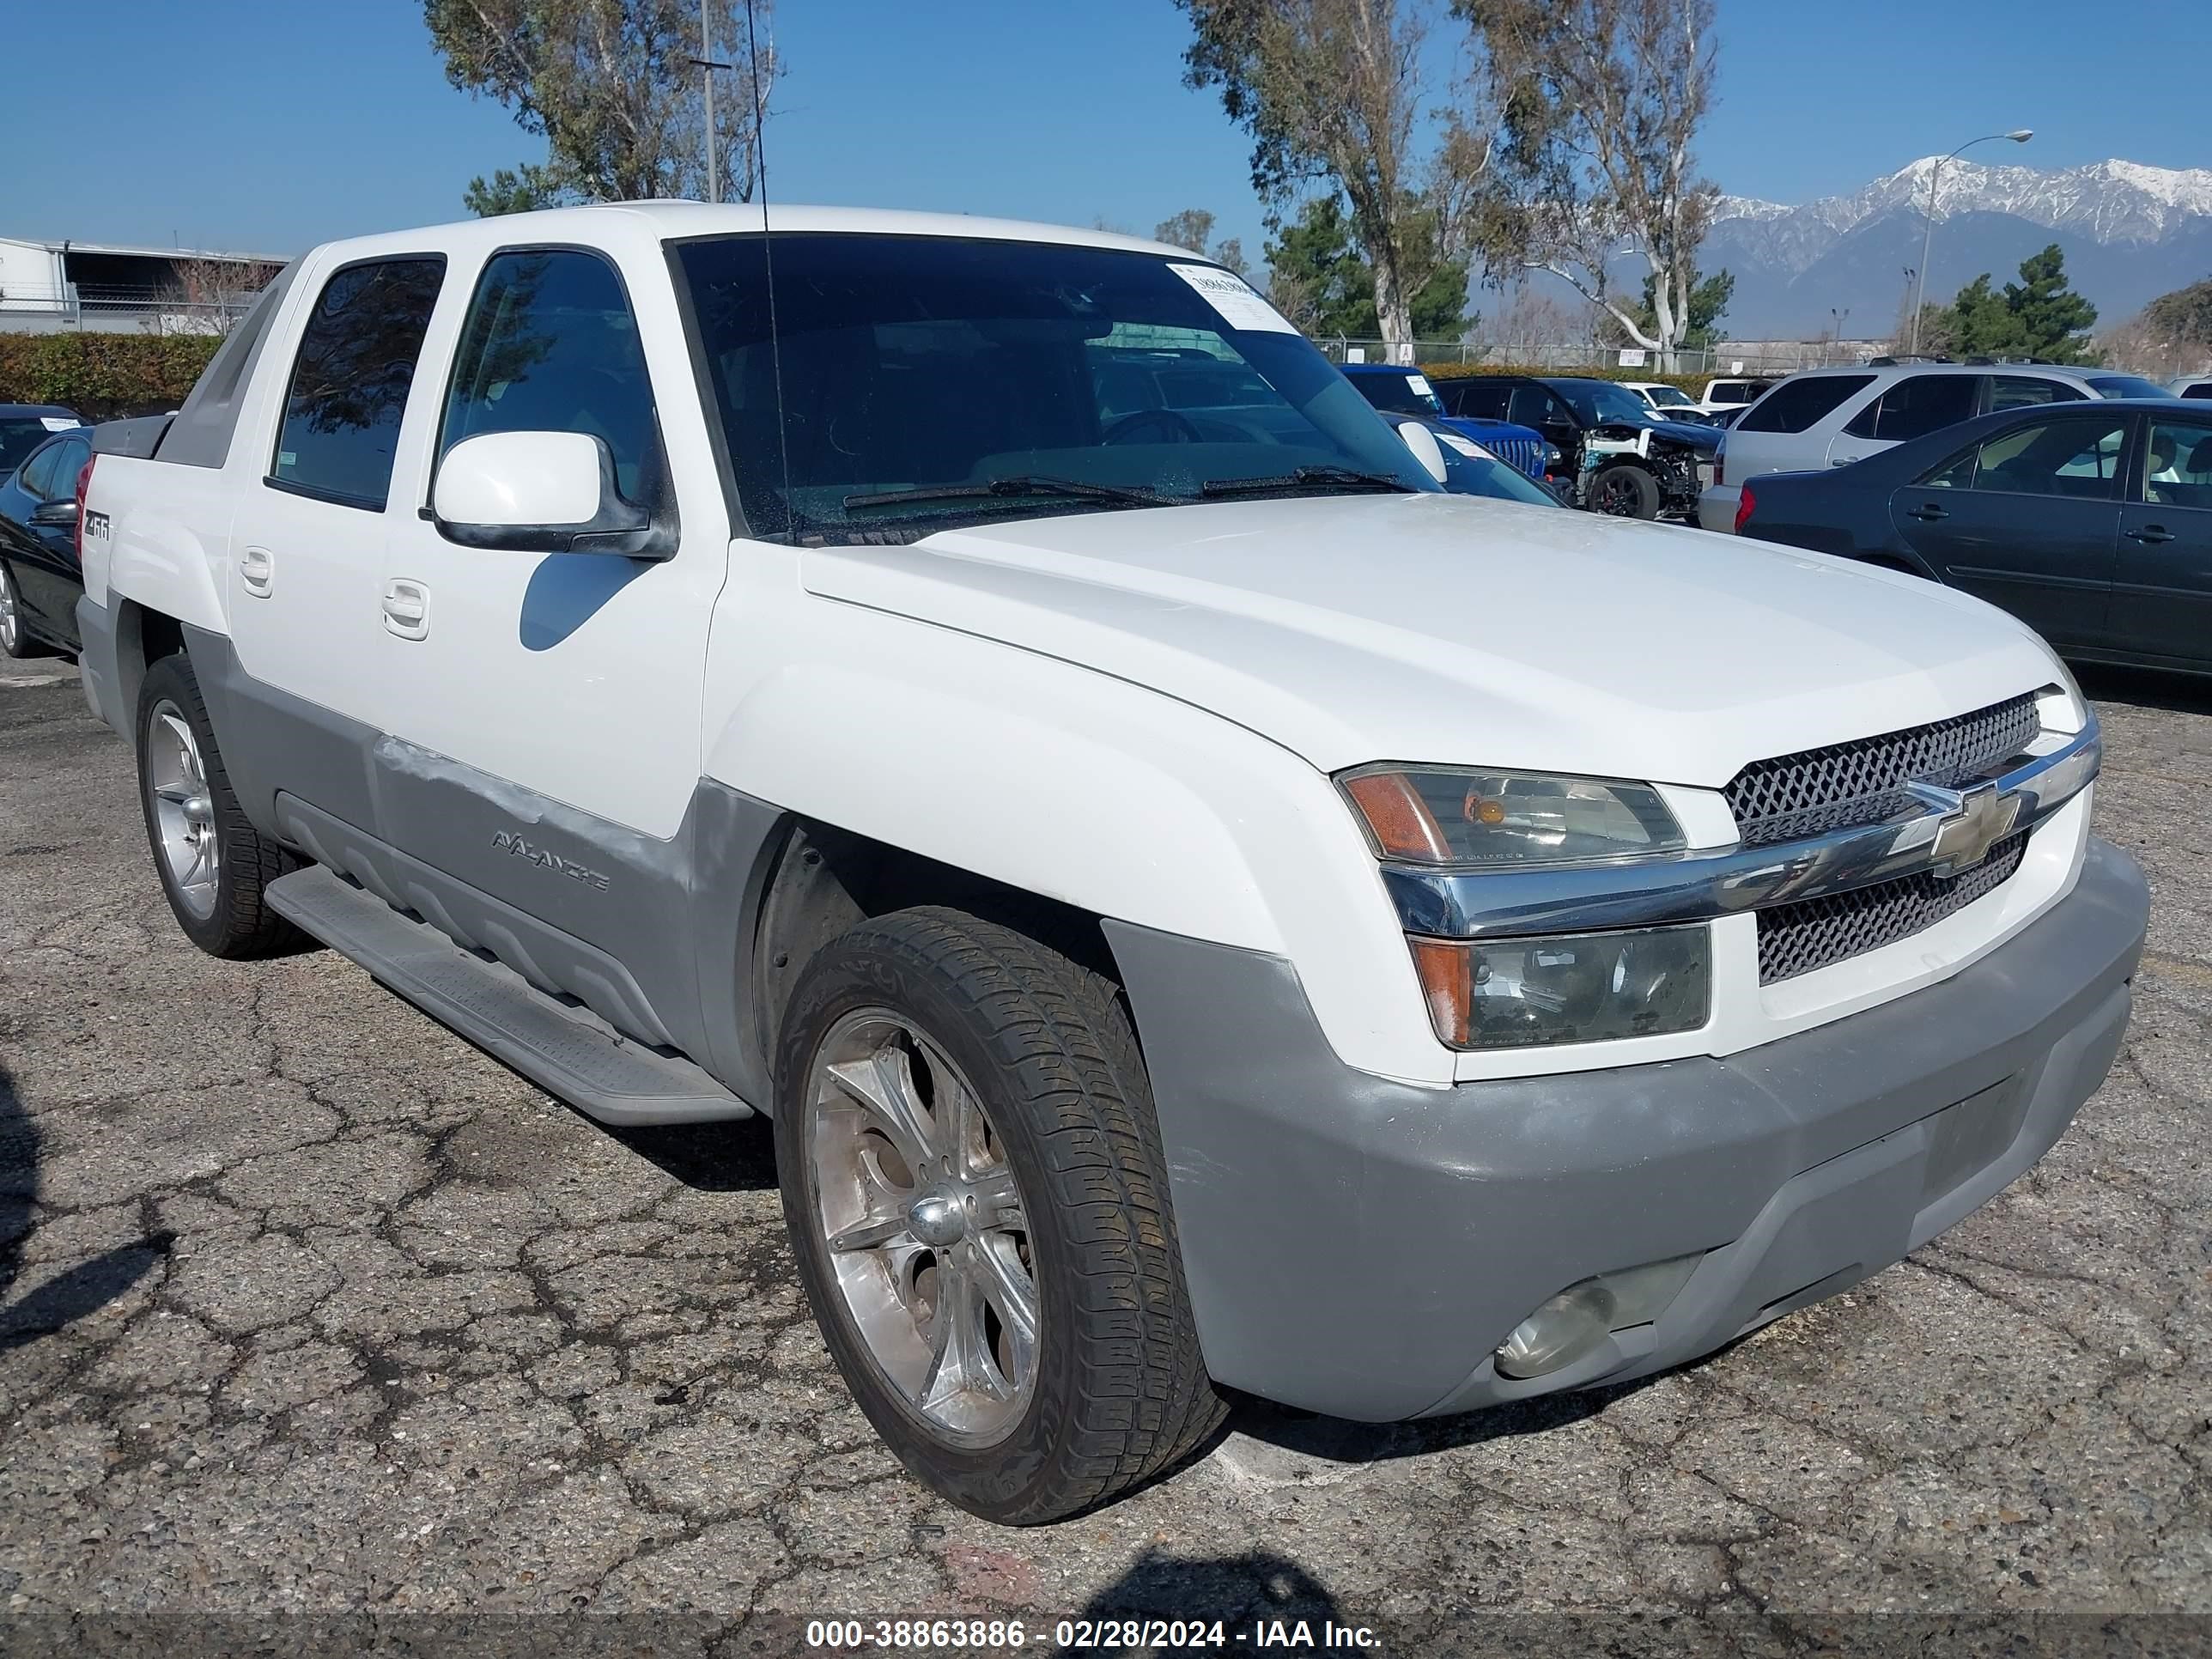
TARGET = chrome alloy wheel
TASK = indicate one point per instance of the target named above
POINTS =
(184, 811)
(11, 623)
(925, 1226)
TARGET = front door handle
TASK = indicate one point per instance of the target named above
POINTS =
(407, 609)
(1928, 513)
(1841, 461)
(2151, 534)
(257, 571)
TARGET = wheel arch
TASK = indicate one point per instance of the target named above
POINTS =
(980, 776)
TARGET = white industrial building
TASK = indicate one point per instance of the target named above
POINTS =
(47, 285)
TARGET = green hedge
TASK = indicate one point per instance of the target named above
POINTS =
(1691, 384)
(103, 376)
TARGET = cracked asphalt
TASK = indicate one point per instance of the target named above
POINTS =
(307, 1308)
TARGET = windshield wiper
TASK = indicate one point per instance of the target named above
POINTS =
(994, 488)
(1307, 477)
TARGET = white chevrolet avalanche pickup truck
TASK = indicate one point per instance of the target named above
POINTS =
(1202, 907)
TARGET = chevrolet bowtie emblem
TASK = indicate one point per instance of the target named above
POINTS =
(1972, 822)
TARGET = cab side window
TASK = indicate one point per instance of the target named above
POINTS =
(350, 380)
(550, 344)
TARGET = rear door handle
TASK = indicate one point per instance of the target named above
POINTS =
(257, 571)
(2152, 534)
(1928, 513)
(407, 609)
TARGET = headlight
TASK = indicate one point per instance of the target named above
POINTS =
(1568, 988)
(1485, 819)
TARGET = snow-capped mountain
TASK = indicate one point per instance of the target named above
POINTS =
(2130, 232)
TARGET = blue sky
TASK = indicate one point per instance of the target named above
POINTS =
(271, 125)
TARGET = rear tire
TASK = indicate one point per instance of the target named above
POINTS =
(1063, 1184)
(214, 866)
(15, 639)
(1621, 491)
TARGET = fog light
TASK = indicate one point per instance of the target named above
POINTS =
(1562, 1331)
(1572, 1323)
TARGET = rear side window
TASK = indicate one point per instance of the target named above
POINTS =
(2017, 390)
(551, 345)
(1799, 405)
(1916, 405)
(1476, 400)
(2077, 457)
(349, 383)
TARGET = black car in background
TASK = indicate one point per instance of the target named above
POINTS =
(1617, 456)
(40, 578)
(2091, 522)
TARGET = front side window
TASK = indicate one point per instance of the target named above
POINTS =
(1476, 400)
(551, 345)
(1534, 406)
(1916, 405)
(2017, 390)
(1398, 394)
(1800, 406)
(349, 383)
(2178, 464)
(2126, 386)
(2075, 457)
(39, 473)
(913, 382)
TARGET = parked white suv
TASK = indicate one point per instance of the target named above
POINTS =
(1730, 394)
(1200, 904)
(1833, 417)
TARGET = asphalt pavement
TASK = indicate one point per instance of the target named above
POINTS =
(309, 1311)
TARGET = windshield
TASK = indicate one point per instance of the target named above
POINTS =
(1398, 394)
(1598, 401)
(1667, 397)
(2127, 385)
(917, 372)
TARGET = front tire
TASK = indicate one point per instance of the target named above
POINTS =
(1621, 491)
(978, 1202)
(214, 866)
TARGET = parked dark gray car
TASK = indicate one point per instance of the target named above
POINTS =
(2090, 521)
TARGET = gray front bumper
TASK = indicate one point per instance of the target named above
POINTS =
(1360, 1246)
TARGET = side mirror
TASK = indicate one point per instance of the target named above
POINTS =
(1426, 450)
(541, 492)
(55, 516)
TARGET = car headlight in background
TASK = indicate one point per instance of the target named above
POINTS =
(1537, 991)
(1485, 819)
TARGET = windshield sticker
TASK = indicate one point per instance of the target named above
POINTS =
(1453, 440)
(1232, 298)
(1420, 383)
(59, 422)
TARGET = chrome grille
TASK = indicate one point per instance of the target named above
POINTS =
(1863, 781)
(1811, 933)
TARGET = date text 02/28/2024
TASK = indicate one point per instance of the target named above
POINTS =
(1079, 1634)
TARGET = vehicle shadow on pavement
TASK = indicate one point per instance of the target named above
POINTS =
(76, 1291)
(1242, 1590)
(1337, 1440)
(2144, 688)
(708, 1157)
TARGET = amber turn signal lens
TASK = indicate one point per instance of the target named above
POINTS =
(1403, 825)
(1446, 976)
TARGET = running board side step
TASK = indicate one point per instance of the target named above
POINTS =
(571, 1055)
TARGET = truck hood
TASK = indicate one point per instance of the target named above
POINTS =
(1449, 629)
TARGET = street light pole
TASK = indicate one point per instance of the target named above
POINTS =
(2018, 136)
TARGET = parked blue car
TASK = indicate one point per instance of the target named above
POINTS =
(42, 449)
(1471, 468)
(1402, 389)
